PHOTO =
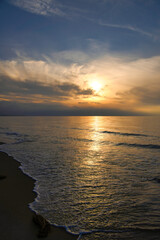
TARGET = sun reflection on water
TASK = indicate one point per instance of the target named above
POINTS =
(95, 135)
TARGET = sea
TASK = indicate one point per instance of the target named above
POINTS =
(98, 177)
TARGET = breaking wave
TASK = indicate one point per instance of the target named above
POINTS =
(149, 146)
(126, 134)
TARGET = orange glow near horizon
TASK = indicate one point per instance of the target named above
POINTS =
(107, 82)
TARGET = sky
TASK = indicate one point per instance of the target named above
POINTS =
(79, 57)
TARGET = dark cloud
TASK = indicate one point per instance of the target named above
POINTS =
(28, 87)
(56, 109)
(145, 95)
(70, 87)
(17, 108)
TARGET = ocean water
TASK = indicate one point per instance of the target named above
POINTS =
(99, 177)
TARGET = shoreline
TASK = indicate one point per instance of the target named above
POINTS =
(16, 192)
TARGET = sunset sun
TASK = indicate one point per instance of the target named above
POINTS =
(96, 86)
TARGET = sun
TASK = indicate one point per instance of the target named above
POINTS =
(96, 86)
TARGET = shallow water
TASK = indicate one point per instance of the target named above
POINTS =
(95, 175)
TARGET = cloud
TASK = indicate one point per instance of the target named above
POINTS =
(13, 108)
(40, 7)
(54, 91)
(126, 82)
(113, 8)
(48, 8)
(127, 27)
(40, 70)
(9, 108)
(70, 56)
(143, 95)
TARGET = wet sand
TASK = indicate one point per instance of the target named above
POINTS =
(16, 192)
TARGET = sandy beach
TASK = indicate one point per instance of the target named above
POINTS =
(16, 192)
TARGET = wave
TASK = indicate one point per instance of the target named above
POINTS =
(123, 230)
(79, 139)
(12, 134)
(126, 134)
(149, 146)
(82, 129)
(23, 141)
(4, 128)
(17, 137)
(16, 134)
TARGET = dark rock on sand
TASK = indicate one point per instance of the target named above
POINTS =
(43, 224)
(156, 179)
(1, 143)
(2, 177)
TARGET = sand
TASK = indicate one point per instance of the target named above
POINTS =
(16, 192)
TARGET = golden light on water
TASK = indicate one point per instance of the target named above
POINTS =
(95, 122)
